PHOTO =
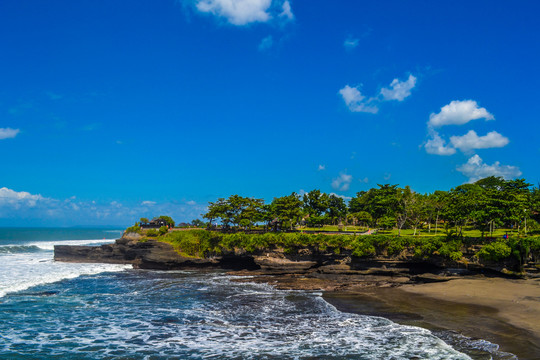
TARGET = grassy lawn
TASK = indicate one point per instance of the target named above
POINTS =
(335, 228)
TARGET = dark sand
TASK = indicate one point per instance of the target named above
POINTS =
(504, 312)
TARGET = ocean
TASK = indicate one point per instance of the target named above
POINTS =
(54, 310)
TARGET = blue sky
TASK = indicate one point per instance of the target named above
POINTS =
(110, 111)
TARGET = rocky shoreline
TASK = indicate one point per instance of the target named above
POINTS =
(304, 268)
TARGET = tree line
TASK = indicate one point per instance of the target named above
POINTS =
(489, 203)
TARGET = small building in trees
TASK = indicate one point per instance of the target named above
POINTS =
(155, 224)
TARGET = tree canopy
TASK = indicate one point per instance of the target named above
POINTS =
(486, 204)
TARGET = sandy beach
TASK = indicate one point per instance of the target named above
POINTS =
(503, 311)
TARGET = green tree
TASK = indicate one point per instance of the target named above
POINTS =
(315, 204)
(436, 203)
(168, 219)
(197, 223)
(420, 210)
(363, 217)
(221, 209)
(462, 202)
(287, 209)
(337, 209)
(517, 200)
(384, 202)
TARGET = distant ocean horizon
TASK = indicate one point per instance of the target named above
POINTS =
(52, 309)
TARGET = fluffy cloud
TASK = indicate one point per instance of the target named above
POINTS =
(399, 90)
(148, 203)
(17, 199)
(459, 113)
(8, 133)
(321, 167)
(472, 141)
(342, 182)
(356, 101)
(437, 146)
(475, 169)
(243, 12)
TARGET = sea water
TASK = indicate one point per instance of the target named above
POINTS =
(54, 310)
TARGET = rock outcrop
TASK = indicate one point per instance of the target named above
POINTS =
(149, 254)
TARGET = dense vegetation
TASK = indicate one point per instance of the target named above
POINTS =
(203, 243)
(485, 205)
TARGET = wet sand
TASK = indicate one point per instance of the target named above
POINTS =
(502, 311)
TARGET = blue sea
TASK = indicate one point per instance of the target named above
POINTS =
(54, 310)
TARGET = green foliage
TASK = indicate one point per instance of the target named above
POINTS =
(495, 251)
(134, 229)
(168, 219)
(287, 209)
(163, 230)
(236, 210)
(152, 233)
(198, 223)
(204, 243)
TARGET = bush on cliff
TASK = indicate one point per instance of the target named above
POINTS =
(495, 251)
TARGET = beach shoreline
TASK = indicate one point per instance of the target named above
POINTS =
(503, 311)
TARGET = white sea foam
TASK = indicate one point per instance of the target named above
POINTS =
(49, 245)
(31, 264)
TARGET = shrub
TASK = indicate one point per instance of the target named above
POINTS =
(134, 229)
(163, 230)
(495, 251)
(152, 233)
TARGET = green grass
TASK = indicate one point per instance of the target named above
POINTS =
(347, 228)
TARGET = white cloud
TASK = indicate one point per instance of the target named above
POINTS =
(350, 43)
(356, 101)
(342, 182)
(266, 43)
(23, 208)
(475, 169)
(8, 133)
(359, 103)
(459, 113)
(399, 89)
(243, 12)
(287, 12)
(321, 167)
(18, 198)
(472, 141)
(437, 146)
(346, 198)
(364, 180)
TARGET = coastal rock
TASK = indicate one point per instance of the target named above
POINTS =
(283, 265)
(149, 254)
